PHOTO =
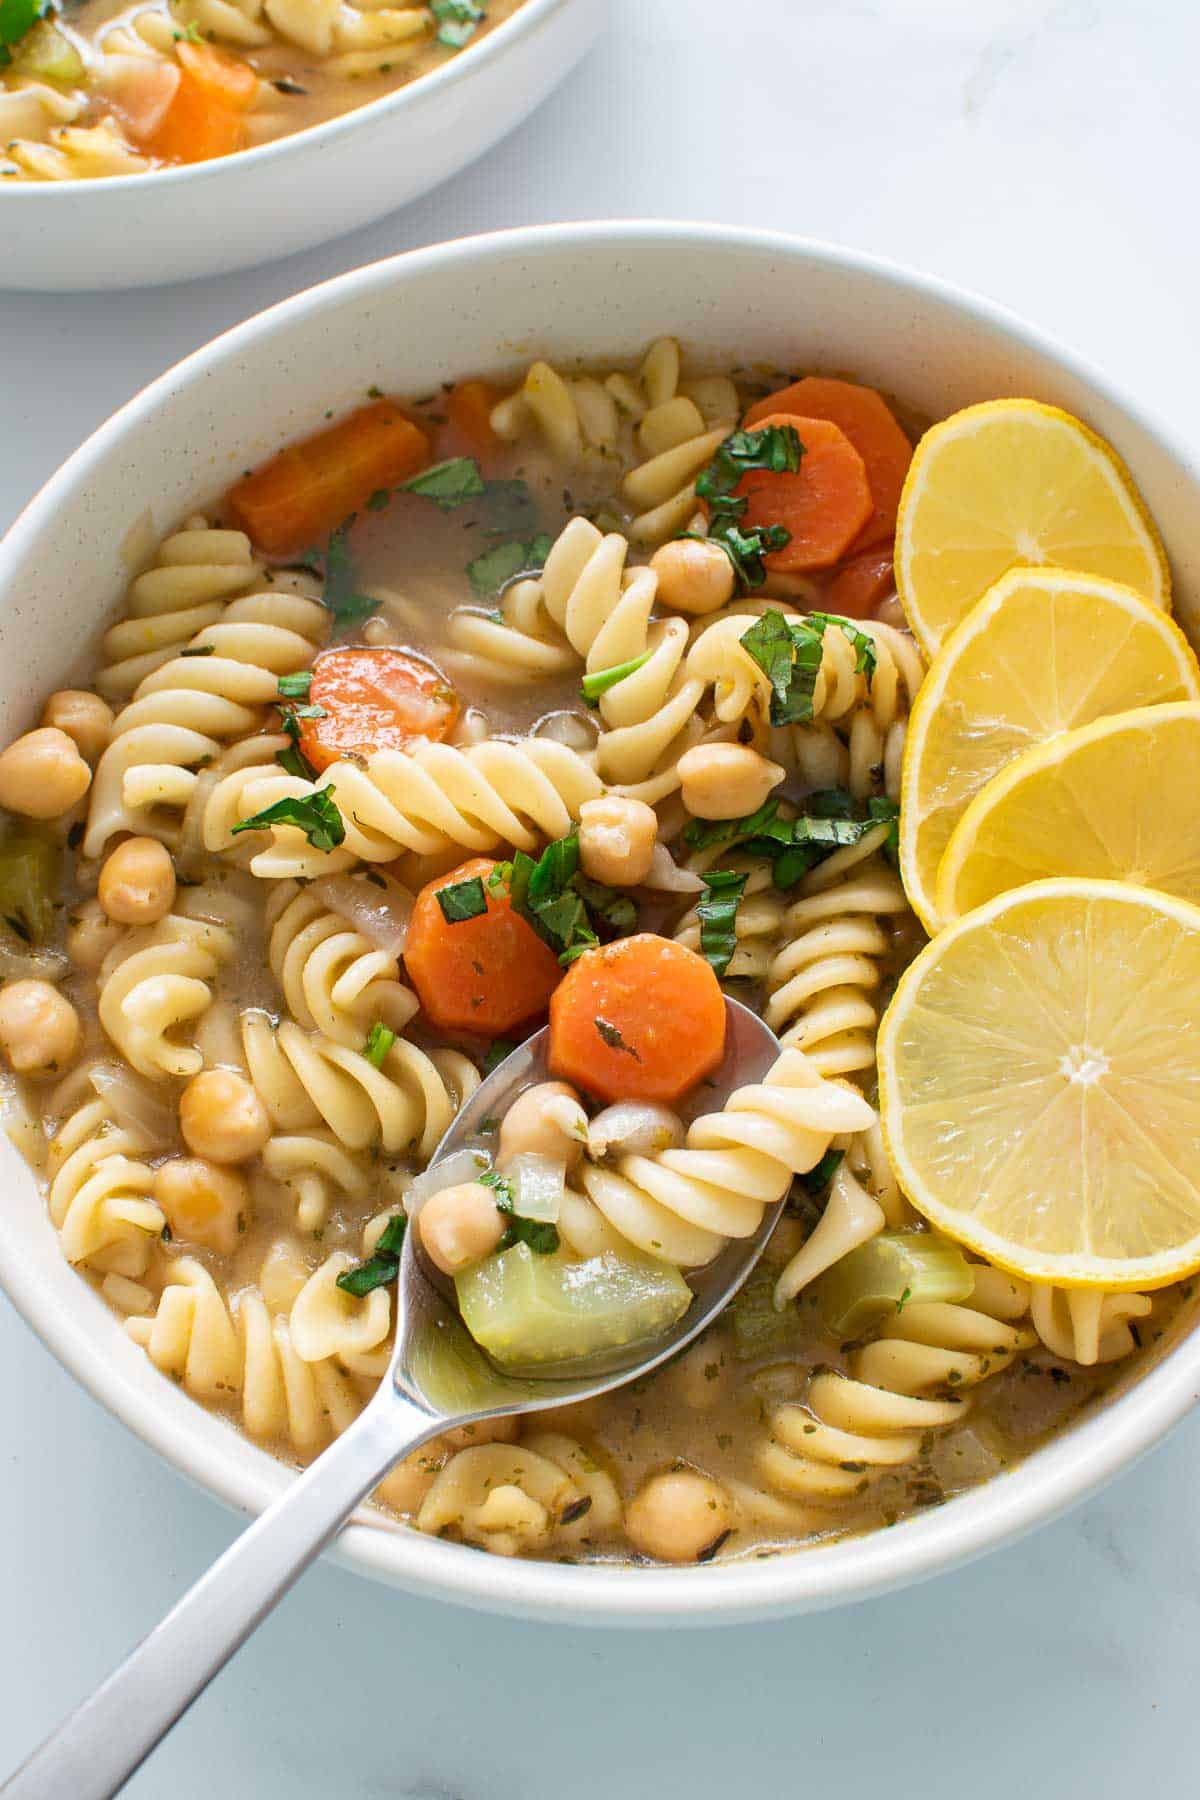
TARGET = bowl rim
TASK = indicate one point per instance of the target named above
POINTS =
(458, 68)
(1072, 1466)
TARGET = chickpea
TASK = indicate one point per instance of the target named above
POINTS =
(693, 577)
(85, 718)
(39, 1028)
(137, 882)
(42, 774)
(460, 1226)
(221, 1117)
(90, 935)
(204, 1203)
(616, 840)
(677, 1516)
(546, 1120)
(484, 1431)
(890, 612)
(726, 781)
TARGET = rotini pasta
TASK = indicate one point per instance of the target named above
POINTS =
(332, 978)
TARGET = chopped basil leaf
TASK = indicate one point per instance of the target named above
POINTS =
(16, 18)
(789, 655)
(380, 1039)
(776, 448)
(293, 760)
(718, 916)
(295, 687)
(791, 846)
(338, 592)
(880, 809)
(457, 21)
(617, 910)
(815, 1180)
(602, 679)
(501, 564)
(380, 1268)
(190, 649)
(702, 834)
(542, 1238)
(316, 815)
(866, 658)
(447, 484)
(496, 1053)
(462, 900)
(830, 803)
(501, 1186)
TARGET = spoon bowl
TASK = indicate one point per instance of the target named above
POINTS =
(437, 1364)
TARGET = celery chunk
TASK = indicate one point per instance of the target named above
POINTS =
(532, 1311)
(47, 54)
(892, 1271)
(29, 873)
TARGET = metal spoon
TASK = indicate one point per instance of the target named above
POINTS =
(438, 1379)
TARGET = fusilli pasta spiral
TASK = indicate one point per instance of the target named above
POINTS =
(682, 1205)
(100, 1192)
(406, 1104)
(514, 1499)
(332, 978)
(424, 800)
(911, 1380)
(153, 981)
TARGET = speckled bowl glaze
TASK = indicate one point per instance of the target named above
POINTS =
(598, 292)
(140, 230)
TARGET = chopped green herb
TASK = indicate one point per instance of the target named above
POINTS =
(501, 564)
(502, 1187)
(292, 759)
(447, 484)
(789, 655)
(542, 1238)
(815, 1180)
(16, 18)
(295, 687)
(558, 901)
(601, 680)
(189, 649)
(791, 846)
(617, 910)
(496, 1053)
(462, 900)
(612, 1037)
(880, 810)
(380, 1039)
(457, 21)
(718, 916)
(338, 592)
(378, 500)
(866, 658)
(316, 815)
(776, 448)
(381, 1268)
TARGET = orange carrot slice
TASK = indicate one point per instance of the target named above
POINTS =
(468, 428)
(824, 504)
(206, 116)
(374, 699)
(641, 1019)
(871, 426)
(486, 974)
(293, 502)
(862, 583)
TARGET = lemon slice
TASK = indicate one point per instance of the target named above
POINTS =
(1039, 1073)
(1118, 799)
(1043, 652)
(1015, 482)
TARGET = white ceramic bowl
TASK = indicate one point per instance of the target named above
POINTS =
(141, 230)
(600, 292)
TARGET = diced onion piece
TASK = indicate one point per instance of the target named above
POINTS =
(666, 874)
(537, 1184)
(20, 962)
(132, 1104)
(460, 1165)
(634, 1128)
(380, 913)
(569, 728)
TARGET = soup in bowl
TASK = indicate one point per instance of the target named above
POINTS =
(565, 667)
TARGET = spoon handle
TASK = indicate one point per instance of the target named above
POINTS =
(95, 1751)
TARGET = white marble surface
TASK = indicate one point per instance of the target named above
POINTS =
(1039, 150)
